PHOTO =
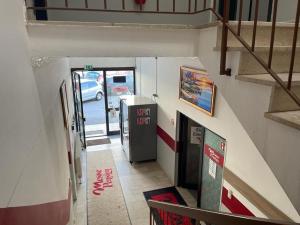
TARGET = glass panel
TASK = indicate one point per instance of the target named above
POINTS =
(118, 83)
(92, 90)
(78, 106)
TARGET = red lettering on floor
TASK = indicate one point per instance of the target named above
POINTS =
(104, 179)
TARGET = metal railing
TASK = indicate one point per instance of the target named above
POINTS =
(251, 48)
(162, 213)
(174, 9)
(210, 6)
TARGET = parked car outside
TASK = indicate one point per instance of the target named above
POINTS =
(94, 75)
(91, 90)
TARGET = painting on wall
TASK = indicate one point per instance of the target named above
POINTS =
(64, 102)
(197, 89)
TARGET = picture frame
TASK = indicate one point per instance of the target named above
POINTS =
(197, 90)
(64, 103)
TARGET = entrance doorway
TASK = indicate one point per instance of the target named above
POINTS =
(96, 97)
(200, 163)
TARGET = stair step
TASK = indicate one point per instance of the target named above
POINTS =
(280, 63)
(279, 49)
(280, 100)
(283, 34)
(289, 118)
(267, 79)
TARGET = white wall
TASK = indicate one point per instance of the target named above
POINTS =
(48, 79)
(94, 40)
(286, 10)
(33, 164)
(241, 155)
(102, 62)
(146, 73)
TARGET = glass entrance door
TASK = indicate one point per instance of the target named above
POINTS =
(118, 82)
(79, 115)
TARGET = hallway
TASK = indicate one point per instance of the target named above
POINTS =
(134, 180)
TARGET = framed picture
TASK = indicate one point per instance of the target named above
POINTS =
(197, 89)
(64, 102)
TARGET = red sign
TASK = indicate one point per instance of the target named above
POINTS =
(140, 2)
(214, 155)
(143, 112)
(103, 181)
(143, 116)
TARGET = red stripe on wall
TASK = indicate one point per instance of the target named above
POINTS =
(234, 205)
(52, 213)
(166, 138)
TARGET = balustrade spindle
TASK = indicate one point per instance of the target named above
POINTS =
(275, 5)
(240, 17)
(289, 86)
(255, 25)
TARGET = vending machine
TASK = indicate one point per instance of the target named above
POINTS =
(138, 119)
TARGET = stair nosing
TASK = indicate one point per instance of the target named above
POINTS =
(247, 78)
(270, 115)
(258, 48)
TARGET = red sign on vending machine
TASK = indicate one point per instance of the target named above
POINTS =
(143, 116)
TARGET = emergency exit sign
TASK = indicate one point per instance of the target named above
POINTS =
(88, 67)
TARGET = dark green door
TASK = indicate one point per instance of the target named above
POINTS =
(212, 171)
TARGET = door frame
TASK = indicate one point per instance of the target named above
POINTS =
(180, 117)
(104, 70)
(109, 133)
(182, 130)
(76, 109)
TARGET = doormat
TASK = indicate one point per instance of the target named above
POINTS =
(170, 195)
(100, 141)
(105, 200)
(93, 132)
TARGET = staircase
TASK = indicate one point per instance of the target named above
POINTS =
(281, 108)
(268, 114)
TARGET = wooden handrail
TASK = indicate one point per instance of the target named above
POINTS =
(210, 217)
(254, 197)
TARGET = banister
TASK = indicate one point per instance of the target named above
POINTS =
(211, 217)
(260, 202)
(226, 27)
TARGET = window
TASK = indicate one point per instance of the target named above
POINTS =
(92, 84)
(84, 86)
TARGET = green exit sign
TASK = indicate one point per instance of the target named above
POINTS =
(88, 67)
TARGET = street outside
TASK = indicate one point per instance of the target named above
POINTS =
(94, 112)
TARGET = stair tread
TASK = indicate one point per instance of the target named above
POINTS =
(258, 48)
(264, 24)
(289, 118)
(267, 79)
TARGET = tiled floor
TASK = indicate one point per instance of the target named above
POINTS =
(134, 179)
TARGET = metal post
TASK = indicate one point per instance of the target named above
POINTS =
(289, 86)
(223, 70)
